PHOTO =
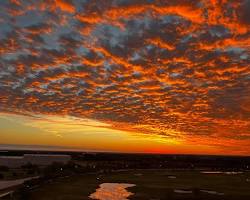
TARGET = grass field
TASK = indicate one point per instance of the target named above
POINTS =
(14, 174)
(150, 184)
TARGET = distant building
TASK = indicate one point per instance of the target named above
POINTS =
(35, 159)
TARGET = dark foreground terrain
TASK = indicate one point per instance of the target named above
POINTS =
(155, 177)
(151, 184)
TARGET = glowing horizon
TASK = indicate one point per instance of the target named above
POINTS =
(76, 134)
(126, 75)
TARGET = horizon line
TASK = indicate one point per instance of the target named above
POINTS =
(50, 148)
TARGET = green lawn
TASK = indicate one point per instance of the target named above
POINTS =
(150, 184)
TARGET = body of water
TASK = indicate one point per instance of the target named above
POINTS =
(112, 191)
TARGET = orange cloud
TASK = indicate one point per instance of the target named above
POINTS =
(174, 69)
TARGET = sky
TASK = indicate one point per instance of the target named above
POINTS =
(150, 76)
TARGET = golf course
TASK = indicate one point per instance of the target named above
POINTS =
(151, 184)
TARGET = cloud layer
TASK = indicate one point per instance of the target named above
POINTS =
(179, 68)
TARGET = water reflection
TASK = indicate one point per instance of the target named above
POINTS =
(212, 192)
(112, 191)
(183, 191)
(220, 172)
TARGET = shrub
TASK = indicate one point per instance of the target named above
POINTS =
(4, 168)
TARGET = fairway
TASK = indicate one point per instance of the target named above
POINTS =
(151, 184)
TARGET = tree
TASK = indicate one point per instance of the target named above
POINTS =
(4, 169)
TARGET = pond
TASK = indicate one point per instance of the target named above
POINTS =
(112, 191)
(221, 172)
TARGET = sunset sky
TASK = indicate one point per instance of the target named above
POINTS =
(152, 76)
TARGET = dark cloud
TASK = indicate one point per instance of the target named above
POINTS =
(245, 12)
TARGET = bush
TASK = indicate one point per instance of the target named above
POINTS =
(23, 193)
(14, 174)
(4, 168)
(53, 170)
(30, 172)
(31, 168)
